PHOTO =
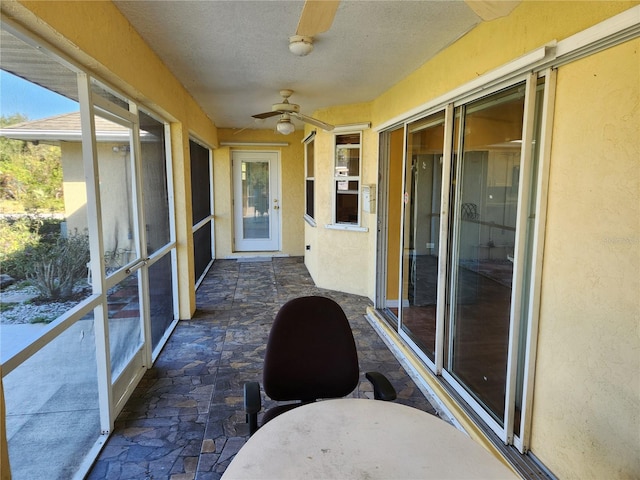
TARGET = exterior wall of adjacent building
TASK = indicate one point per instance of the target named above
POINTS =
(116, 221)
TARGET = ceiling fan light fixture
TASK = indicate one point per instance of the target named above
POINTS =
(285, 127)
(300, 45)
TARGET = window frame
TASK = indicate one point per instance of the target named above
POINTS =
(309, 147)
(335, 178)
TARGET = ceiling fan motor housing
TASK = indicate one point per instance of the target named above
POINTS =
(285, 107)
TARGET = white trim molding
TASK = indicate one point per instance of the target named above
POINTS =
(352, 127)
(254, 144)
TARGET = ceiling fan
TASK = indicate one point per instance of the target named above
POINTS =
(287, 110)
(316, 17)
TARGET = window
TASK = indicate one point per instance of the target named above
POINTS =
(347, 179)
(309, 150)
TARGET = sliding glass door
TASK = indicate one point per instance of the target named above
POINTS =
(467, 261)
(483, 221)
(423, 187)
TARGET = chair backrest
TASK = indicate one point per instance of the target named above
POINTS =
(311, 353)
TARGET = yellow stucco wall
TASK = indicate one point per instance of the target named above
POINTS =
(342, 259)
(291, 187)
(96, 35)
(586, 419)
(490, 45)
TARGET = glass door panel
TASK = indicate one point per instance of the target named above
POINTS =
(423, 187)
(481, 263)
(256, 201)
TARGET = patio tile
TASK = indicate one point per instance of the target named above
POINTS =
(185, 419)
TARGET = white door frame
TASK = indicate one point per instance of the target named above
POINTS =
(271, 241)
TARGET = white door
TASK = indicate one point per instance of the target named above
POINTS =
(256, 201)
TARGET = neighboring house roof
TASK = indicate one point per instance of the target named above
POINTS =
(65, 128)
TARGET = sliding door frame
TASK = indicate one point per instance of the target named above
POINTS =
(516, 315)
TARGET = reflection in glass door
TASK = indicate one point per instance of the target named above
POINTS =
(423, 187)
(483, 241)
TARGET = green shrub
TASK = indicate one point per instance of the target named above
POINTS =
(18, 236)
(55, 269)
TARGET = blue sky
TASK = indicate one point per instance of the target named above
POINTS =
(20, 96)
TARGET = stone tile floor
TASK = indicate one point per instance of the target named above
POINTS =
(185, 420)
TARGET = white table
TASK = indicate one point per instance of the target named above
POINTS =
(362, 439)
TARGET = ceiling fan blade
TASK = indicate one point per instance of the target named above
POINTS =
(317, 17)
(266, 115)
(313, 121)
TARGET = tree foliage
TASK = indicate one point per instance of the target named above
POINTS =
(30, 174)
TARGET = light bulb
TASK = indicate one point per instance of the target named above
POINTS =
(300, 45)
(285, 127)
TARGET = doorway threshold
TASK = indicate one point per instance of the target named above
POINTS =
(255, 257)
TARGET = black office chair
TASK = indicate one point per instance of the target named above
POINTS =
(310, 355)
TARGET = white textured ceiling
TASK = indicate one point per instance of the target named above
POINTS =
(233, 56)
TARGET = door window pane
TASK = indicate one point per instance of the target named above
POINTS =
(422, 229)
(484, 225)
(255, 199)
